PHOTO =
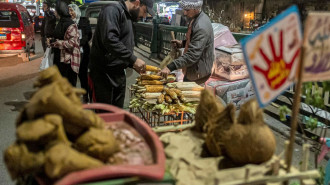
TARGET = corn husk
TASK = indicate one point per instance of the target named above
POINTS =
(191, 94)
(151, 95)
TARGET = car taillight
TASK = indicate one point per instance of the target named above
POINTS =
(23, 36)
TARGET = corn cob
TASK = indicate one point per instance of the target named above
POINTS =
(161, 98)
(171, 78)
(168, 99)
(151, 95)
(154, 88)
(151, 82)
(182, 98)
(152, 68)
(177, 101)
(151, 77)
(177, 91)
(170, 92)
(191, 94)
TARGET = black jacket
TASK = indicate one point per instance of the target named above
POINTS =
(86, 32)
(200, 54)
(48, 24)
(113, 41)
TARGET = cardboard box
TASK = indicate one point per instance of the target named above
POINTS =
(236, 92)
(229, 63)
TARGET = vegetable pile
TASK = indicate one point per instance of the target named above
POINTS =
(155, 93)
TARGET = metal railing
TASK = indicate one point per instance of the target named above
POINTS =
(156, 38)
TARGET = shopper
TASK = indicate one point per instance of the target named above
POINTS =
(66, 44)
(112, 49)
(85, 31)
(197, 60)
(48, 24)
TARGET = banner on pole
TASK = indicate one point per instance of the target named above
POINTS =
(272, 55)
(317, 47)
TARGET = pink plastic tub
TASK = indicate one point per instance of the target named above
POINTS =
(155, 171)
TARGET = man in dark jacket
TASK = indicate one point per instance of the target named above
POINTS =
(112, 50)
(197, 60)
(48, 24)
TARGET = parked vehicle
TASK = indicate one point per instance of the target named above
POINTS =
(16, 31)
(93, 10)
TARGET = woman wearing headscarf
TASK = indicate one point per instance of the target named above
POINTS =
(85, 30)
(66, 44)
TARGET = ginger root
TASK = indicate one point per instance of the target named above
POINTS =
(20, 161)
(98, 143)
(62, 159)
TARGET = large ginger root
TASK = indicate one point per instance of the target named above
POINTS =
(98, 143)
(48, 76)
(20, 161)
(46, 130)
(218, 124)
(245, 140)
(52, 75)
(51, 100)
(207, 103)
(62, 159)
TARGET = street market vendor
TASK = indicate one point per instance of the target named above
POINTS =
(197, 60)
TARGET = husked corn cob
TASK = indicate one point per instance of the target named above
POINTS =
(152, 68)
(168, 99)
(191, 94)
(151, 82)
(186, 86)
(151, 77)
(177, 91)
(151, 95)
(154, 88)
(161, 99)
(172, 94)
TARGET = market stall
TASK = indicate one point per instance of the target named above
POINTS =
(162, 102)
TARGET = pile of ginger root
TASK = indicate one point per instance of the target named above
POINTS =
(245, 139)
(52, 130)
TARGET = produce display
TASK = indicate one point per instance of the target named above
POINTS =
(246, 139)
(154, 93)
(56, 136)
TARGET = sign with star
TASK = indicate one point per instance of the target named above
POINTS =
(272, 55)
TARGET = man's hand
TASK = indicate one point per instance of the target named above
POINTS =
(164, 72)
(176, 44)
(139, 66)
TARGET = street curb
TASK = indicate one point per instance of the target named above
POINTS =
(146, 55)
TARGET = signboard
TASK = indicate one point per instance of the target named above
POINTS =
(317, 47)
(272, 55)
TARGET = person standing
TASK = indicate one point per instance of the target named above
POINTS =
(48, 24)
(66, 44)
(112, 50)
(85, 31)
(198, 57)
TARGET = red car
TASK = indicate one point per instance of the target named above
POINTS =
(16, 31)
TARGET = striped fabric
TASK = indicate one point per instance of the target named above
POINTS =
(70, 49)
(191, 4)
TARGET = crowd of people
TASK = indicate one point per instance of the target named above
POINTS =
(101, 68)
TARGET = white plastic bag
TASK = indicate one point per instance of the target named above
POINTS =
(47, 60)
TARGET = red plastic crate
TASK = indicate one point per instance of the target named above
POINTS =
(155, 171)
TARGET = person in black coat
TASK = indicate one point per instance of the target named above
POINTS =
(48, 24)
(62, 10)
(85, 30)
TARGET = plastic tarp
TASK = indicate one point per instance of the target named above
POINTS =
(222, 36)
